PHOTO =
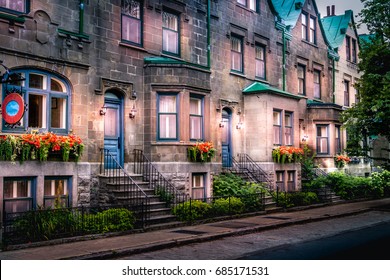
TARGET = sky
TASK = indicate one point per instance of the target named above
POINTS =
(341, 6)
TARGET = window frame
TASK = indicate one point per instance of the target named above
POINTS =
(279, 179)
(312, 30)
(354, 50)
(167, 29)
(196, 188)
(47, 94)
(287, 127)
(348, 48)
(67, 196)
(319, 139)
(346, 93)
(337, 139)
(176, 114)
(240, 53)
(301, 80)
(304, 24)
(277, 128)
(139, 20)
(248, 4)
(317, 85)
(262, 61)
(26, 10)
(32, 192)
(201, 117)
(291, 174)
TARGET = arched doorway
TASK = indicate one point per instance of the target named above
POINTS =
(226, 138)
(113, 126)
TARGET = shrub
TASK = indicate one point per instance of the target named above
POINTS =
(228, 206)
(111, 220)
(191, 210)
(297, 199)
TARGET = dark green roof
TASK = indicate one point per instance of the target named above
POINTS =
(335, 28)
(162, 60)
(258, 87)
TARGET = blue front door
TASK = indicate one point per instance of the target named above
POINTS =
(113, 128)
(226, 139)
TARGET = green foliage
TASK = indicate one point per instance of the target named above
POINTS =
(111, 220)
(164, 194)
(232, 185)
(371, 115)
(228, 206)
(287, 200)
(191, 210)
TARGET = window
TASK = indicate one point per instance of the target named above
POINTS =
(338, 139)
(322, 139)
(47, 98)
(20, 6)
(354, 54)
(56, 192)
(346, 93)
(312, 33)
(18, 194)
(348, 47)
(170, 33)
(317, 83)
(290, 181)
(250, 4)
(132, 21)
(198, 186)
(236, 54)
(301, 79)
(196, 118)
(279, 180)
(277, 122)
(288, 129)
(308, 28)
(260, 61)
(304, 26)
(167, 117)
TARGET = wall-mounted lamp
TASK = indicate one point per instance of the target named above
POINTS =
(305, 138)
(132, 112)
(239, 125)
(133, 94)
(103, 111)
(221, 124)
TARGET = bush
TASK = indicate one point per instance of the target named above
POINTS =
(287, 200)
(191, 210)
(228, 206)
(111, 220)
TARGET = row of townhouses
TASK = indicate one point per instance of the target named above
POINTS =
(157, 76)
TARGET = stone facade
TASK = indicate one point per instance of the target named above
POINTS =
(82, 45)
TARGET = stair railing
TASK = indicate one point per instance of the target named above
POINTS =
(253, 170)
(123, 184)
(161, 186)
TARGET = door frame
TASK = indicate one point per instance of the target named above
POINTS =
(113, 98)
(227, 123)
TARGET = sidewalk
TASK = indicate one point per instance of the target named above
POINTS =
(110, 247)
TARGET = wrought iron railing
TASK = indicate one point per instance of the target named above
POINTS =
(246, 165)
(126, 190)
(49, 224)
(161, 186)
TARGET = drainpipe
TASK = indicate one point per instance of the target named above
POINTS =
(333, 80)
(208, 35)
(284, 58)
(81, 17)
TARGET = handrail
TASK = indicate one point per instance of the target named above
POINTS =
(162, 187)
(246, 163)
(125, 185)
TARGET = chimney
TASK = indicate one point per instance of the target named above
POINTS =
(333, 10)
(327, 11)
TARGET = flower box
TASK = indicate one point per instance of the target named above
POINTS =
(287, 154)
(42, 147)
(341, 160)
(201, 152)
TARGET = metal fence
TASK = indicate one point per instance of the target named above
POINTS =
(47, 224)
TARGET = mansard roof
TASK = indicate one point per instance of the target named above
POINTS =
(335, 28)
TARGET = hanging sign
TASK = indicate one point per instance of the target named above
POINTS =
(13, 108)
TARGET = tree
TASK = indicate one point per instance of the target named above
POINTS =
(371, 115)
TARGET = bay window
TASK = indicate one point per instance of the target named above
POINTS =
(196, 118)
(167, 117)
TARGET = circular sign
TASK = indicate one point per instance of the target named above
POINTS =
(13, 108)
